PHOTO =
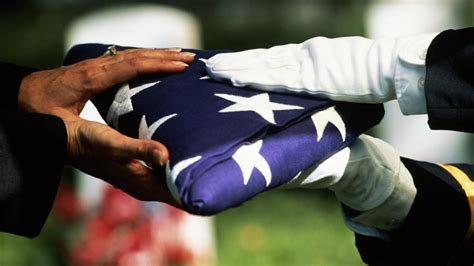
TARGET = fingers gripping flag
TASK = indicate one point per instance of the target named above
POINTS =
(226, 144)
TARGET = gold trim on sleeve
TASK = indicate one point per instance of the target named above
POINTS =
(468, 186)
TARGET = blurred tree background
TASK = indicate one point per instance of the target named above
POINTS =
(33, 30)
(277, 228)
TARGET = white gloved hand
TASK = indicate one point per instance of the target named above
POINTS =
(350, 69)
(369, 177)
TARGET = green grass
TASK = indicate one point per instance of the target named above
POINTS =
(43, 250)
(285, 228)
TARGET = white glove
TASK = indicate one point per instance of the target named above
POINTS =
(350, 69)
(369, 177)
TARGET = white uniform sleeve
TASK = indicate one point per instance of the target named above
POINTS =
(410, 72)
(350, 69)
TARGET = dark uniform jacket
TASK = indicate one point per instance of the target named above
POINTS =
(32, 151)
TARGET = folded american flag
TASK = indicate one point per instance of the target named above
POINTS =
(226, 144)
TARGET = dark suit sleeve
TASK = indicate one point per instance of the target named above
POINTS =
(449, 85)
(11, 80)
(32, 151)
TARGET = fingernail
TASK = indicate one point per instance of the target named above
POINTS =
(159, 155)
(173, 49)
(188, 54)
(180, 63)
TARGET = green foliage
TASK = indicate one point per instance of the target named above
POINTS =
(296, 227)
(34, 34)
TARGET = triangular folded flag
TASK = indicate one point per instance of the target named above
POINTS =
(226, 144)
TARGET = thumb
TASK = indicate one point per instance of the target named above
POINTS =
(146, 150)
(87, 139)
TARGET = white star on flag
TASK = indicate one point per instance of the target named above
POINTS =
(324, 174)
(145, 132)
(122, 103)
(172, 174)
(322, 118)
(248, 158)
(259, 104)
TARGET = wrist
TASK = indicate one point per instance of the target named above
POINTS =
(24, 101)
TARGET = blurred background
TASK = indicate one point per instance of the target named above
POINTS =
(93, 224)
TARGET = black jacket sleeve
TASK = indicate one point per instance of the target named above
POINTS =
(449, 85)
(32, 151)
(12, 76)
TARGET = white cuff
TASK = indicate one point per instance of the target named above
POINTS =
(410, 72)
